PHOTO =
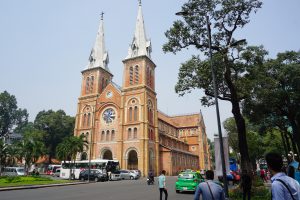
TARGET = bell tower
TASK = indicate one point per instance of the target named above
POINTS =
(139, 101)
(95, 77)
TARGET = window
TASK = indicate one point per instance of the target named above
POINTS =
(130, 114)
(135, 133)
(89, 119)
(87, 85)
(135, 113)
(84, 120)
(103, 86)
(136, 75)
(129, 134)
(131, 75)
(91, 84)
(148, 76)
(107, 135)
(102, 136)
(113, 135)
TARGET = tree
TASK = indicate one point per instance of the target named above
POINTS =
(229, 56)
(11, 117)
(259, 142)
(56, 126)
(31, 148)
(69, 148)
(275, 99)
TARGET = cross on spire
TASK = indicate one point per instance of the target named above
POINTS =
(102, 13)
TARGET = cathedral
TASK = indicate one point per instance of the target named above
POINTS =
(123, 122)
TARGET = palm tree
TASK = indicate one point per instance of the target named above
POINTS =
(69, 149)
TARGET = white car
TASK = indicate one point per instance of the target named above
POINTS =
(127, 174)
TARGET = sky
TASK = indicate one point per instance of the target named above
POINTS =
(44, 46)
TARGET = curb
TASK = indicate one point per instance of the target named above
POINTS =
(40, 186)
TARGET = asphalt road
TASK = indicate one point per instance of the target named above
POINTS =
(112, 190)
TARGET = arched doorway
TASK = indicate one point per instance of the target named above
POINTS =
(132, 160)
(107, 154)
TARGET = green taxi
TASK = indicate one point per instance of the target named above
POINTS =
(188, 181)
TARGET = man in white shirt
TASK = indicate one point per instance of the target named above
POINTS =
(283, 186)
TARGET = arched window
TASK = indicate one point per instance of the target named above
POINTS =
(89, 119)
(129, 134)
(106, 83)
(102, 136)
(136, 112)
(103, 86)
(148, 76)
(136, 74)
(152, 135)
(84, 120)
(113, 135)
(92, 84)
(87, 85)
(107, 135)
(130, 114)
(131, 75)
(135, 133)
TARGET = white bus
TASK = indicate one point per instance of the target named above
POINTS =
(102, 164)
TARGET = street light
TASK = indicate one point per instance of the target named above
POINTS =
(185, 13)
(217, 110)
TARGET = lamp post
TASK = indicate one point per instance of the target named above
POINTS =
(217, 110)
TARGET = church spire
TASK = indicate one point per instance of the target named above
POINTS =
(140, 45)
(99, 56)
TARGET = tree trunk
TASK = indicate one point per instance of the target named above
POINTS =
(239, 120)
(242, 138)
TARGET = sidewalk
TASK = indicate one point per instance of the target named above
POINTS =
(40, 186)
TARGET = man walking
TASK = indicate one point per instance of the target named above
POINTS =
(209, 189)
(162, 185)
(283, 186)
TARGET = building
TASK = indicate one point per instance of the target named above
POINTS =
(123, 123)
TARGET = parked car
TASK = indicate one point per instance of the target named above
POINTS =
(188, 181)
(95, 174)
(56, 173)
(127, 174)
(13, 171)
(137, 172)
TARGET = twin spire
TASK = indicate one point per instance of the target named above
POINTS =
(99, 56)
(140, 46)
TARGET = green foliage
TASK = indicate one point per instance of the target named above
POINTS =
(11, 117)
(259, 143)
(275, 100)
(8, 181)
(56, 126)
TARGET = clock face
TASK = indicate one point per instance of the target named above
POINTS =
(109, 94)
(109, 115)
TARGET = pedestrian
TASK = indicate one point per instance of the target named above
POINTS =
(209, 189)
(283, 186)
(162, 185)
(246, 184)
(293, 165)
(263, 175)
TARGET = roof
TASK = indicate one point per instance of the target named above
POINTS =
(180, 121)
(45, 159)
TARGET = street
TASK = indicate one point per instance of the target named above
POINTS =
(112, 190)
